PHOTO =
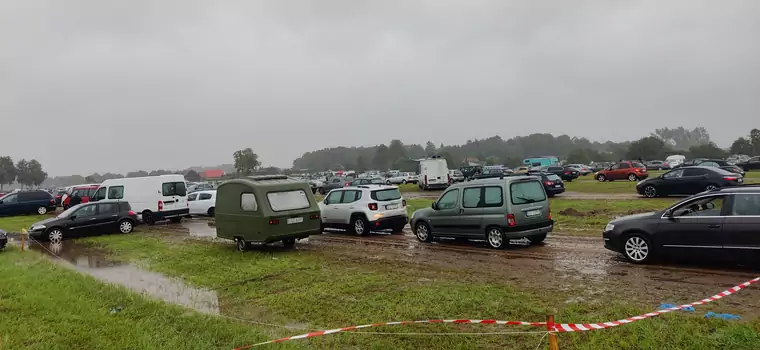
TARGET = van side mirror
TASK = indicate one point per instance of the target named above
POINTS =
(434, 205)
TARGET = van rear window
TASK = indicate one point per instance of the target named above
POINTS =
(525, 192)
(288, 200)
(173, 189)
(386, 195)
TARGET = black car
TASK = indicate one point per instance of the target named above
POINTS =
(3, 239)
(691, 162)
(26, 202)
(750, 164)
(553, 184)
(87, 219)
(566, 173)
(490, 174)
(688, 180)
(719, 163)
(722, 221)
(470, 171)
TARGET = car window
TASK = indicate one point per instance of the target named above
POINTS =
(615, 167)
(624, 166)
(173, 189)
(449, 200)
(527, 192)
(116, 192)
(711, 164)
(88, 210)
(288, 200)
(746, 204)
(351, 196)
(248, 202)
(553, 177)
(11, 198)
(710, 206)
(108, 208)
(675, 174)
(694, 172)
(471, 197)
(192, 197)
(204, 196)
(334, 197)
(335, 181)
(638, 165)
(493, 196)
(377, 181)
(100, 194)
(390, 194)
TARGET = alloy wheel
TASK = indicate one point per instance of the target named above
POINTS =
(650, 191)
(495, 238)
(125, 227)
(55, 235)
(359, 227)
(422, 233)
(42, 210)
(636, 249)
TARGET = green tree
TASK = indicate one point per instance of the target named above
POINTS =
(192, 175)
(429, 148)
(7, 171)
(708, 150)
(396, 151)
(22, 173)
(754, 138)
(650, 147)
(361, 164)
(245, 161)
(90, 179)
(381, 161)
(36, 175)
(579, 156)
(450, 162)
(742, 145)
(681, 138)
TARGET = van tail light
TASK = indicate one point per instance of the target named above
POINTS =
(160, 205)
(314, 216)
(274, 221)
(548, 183)
(131, 213)
(372, 206)
(731, 178)
(403, 202)
(511, 220)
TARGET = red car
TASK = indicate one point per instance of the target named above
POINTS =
(631, 171)
(85, 192)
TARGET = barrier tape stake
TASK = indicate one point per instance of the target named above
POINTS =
(23, 233)
(553, 344)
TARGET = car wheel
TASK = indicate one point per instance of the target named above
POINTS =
(537, 239)
(242, 245)
(495, 238)
(126, 226)
(210, 212)
(403, 182)
(321, 191)
(650, 191)
(359, 226)
(147, 217)
(388, 182)
(55, 235)
(711, 187)
(637, 249)
(601, 178)
(632, 177)
(289, 242)
(42, 210)
(423, 233)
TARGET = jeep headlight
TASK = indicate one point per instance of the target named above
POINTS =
(38, 227)
(609, 227)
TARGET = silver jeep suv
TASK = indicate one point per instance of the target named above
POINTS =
(365, 208)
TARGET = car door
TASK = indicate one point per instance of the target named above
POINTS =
(9, 205)
(612, 173)
(84, 220)
(671, 183)
(330, 214)
(107, 218)
(693, 227)
(470, 212)
(204, 201)
(348, 205)
(443, 220)
(741, 226)
(192, 199)
(694, 180)
(622, 172)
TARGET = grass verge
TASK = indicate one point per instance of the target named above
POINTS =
(16, 223)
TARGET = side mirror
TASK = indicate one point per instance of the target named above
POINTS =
(1, 202)
(72, 217)
(326, 201)
(434, 205)
(669, 214)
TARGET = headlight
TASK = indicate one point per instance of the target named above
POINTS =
(38, 227)
(609, 227)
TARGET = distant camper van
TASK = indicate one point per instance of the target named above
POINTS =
(540, 161)
(266, 209)
(153, 198)
(434, 173)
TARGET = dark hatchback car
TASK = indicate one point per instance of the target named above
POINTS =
(87, 219)
(490, 174)
(26, 202)
(566, 173)
(750, 164)
(723, 221)
(553, 184)
(688, 180)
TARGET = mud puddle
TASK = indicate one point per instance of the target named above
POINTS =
(95, 263)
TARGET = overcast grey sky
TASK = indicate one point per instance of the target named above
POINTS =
(147, 84)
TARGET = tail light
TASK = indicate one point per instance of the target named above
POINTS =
(548, 183)
(314, 216)
(567, 173)
(160, 205)
(372, 206)
(511, 220)
(52, 201)
(274, 221)
(403, 202)
(131, 213)
(347, 184)
(731, 178)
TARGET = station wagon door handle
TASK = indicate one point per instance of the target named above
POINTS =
(93, 219)
(713, 226)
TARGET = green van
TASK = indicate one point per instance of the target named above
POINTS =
(266, 209)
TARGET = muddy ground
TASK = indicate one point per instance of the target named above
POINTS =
(576, 269)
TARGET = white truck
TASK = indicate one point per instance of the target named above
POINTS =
(434, 173)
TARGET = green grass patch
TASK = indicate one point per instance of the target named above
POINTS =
(17, 223)
(409, 188)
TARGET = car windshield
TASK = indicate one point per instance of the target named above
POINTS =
(386, 195)
(553, 177)
(66, 213)
(527, 192)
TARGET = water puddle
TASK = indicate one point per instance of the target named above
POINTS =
(199, 228)
(94, 262)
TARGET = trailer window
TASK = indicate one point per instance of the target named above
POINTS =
(173, 189)
(248, 202)
(288, 200)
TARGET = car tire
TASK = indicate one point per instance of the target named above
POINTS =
(321, 190)
(650, 191)
(210, 212)
(126, 226)
(359, 226)
(711, 187)
(601, 178)
(55, 234)
(537, 239)
(632, 177)
(495, 238)
(241, 245)
(637, 248)
(423, 233)
(403, 182)
(147, 217)
(42, 210)
(289, 242)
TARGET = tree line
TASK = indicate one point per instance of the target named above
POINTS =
(27, 173)
(510, 152)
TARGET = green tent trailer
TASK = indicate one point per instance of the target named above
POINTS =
(266, 209)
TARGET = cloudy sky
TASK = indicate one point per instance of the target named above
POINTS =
(93, 85)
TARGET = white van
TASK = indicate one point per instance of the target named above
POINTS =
(434, 173)
(675, 160)
(153, 198)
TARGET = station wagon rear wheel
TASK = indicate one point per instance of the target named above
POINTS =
(210, 212)
(125, 226)
(359, 226)
(495, 238)
(537, 239)
(42, 210)
(422, 231)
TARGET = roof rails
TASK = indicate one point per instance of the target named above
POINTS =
(268, 177)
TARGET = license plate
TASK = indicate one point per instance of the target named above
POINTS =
(391, 207)
(294, 220)
(557, 185)
(530, 213)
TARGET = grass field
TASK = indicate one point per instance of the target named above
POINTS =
(16, 223)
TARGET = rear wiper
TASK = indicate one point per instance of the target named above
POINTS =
(527, 200)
